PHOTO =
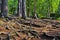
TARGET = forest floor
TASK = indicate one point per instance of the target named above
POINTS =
(30, 29)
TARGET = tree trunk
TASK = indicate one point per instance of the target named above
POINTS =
(35, 15)
(20, 8)
(49, 6)
(28, 10)
(24, 15)
(4, 8)
(0, 8)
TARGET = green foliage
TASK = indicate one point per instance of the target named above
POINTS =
(58, 18)
(12, 5)
(41, 7)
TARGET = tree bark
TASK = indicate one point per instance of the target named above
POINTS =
(20, 8)
(0, 8)
(24, 15)
(4, 8)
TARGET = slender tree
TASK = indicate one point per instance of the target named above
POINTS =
(20, 8)
(35, 15)
(0, 5)
(58, 8)
(24, 15)
(49, 7)
(0, 8)
(28, 9)
(4, 8)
